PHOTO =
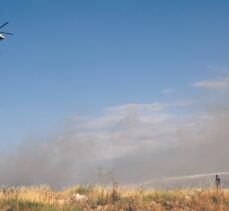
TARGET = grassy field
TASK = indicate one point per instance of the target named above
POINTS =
(112, 198)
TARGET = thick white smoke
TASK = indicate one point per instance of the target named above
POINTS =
(134, 142)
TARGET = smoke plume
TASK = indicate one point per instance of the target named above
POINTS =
(131, 143)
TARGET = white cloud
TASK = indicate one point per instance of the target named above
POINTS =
(145, 108)
(137, 107)
(213, 84)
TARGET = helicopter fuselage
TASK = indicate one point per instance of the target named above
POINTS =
(2, 37)
(2, 34)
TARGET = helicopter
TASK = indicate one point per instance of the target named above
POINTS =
(2, 34)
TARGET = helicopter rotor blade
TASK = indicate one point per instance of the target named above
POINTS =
(6, 33)
(4, 24)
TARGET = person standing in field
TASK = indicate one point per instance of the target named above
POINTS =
(217, 181)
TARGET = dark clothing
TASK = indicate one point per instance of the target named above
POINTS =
(217, 181)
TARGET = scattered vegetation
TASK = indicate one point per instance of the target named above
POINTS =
(112, 198)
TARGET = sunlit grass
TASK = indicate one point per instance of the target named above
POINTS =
(112, 198)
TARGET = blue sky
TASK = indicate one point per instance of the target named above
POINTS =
(80, 57)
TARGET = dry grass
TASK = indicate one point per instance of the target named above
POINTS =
(114, 198)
